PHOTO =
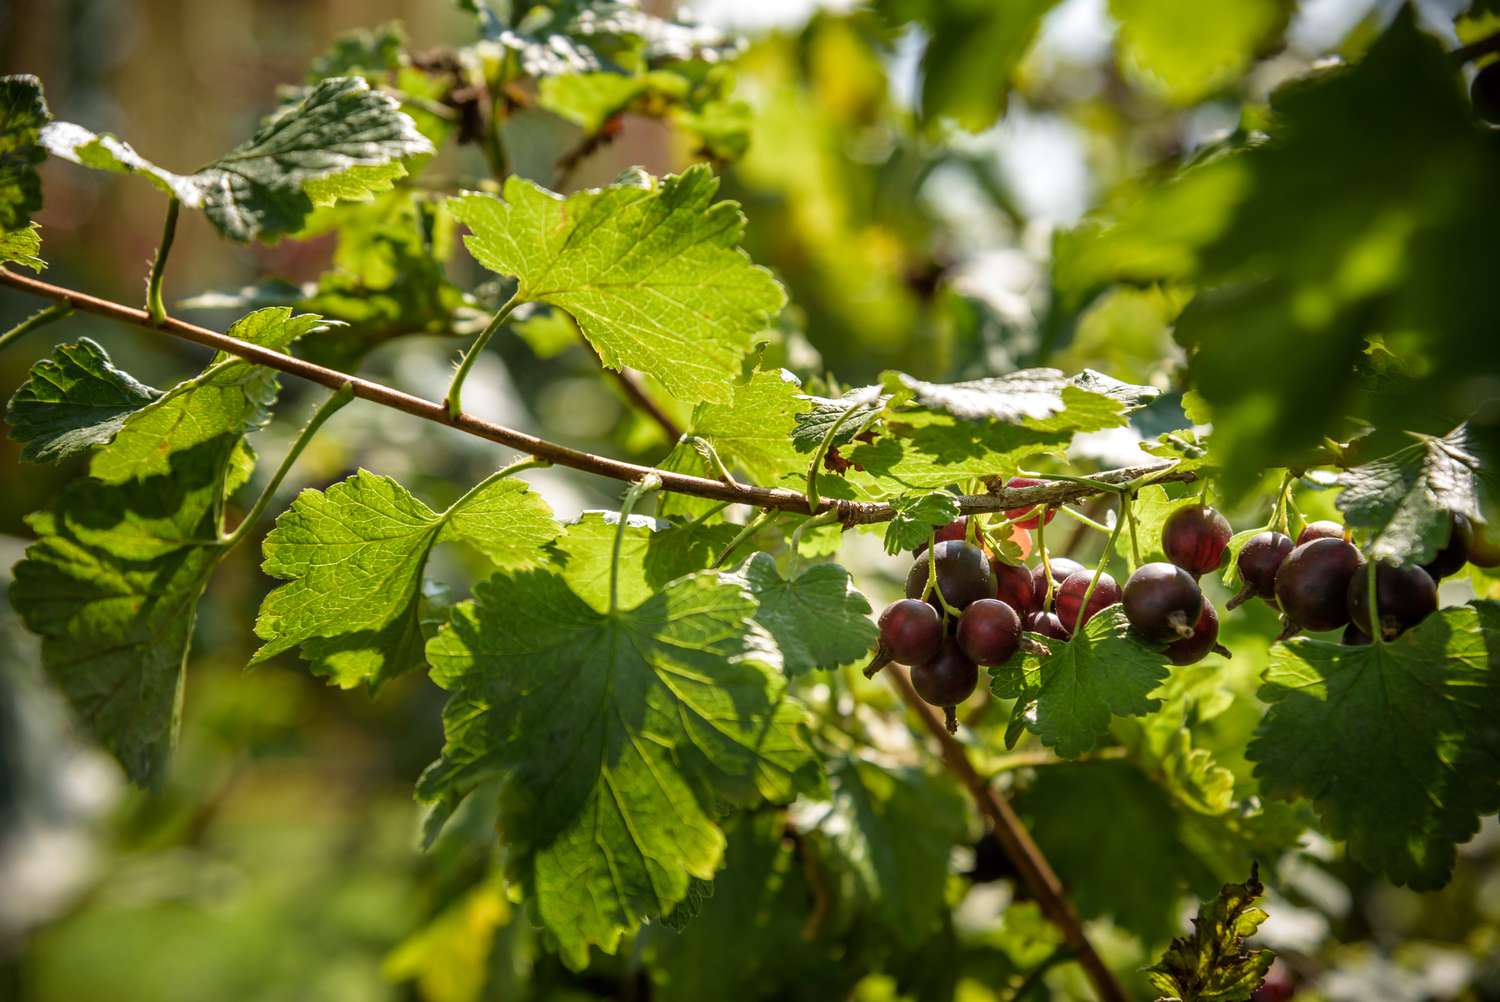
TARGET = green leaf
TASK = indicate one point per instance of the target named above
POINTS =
(584, 36)
(753, 432)
(613, 732)
(72, 402)
(22, 247)
(1214, 964)
(817, 618)
(914, 518)
(895, 829)
(337, 140)
(652, 553)
(588, 100)
(1187, 51)
(1103, 670)
(111, 585)
(650, 269)
(814, 424)
(1406, 205)
(972, 53)
(1021, 397)
(1405, 499)
(23, 113)
(354, 556)
(1396, 744)
(361, 52)
(1138, 875)
(231, 397)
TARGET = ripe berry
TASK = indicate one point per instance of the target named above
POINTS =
(1405, 595)
(1260, 558)
(911, 631)
(1205, 638)
(1354, 636)
(1485, 93)
(1455, 553)
(1047, 624)
(1323, 529)
(1312, 585)
(946, 679)
(1062, 567)
(955, 529)
(989, 631)
(963, 574)
(1194, 538)
(1027, 523)
(1482, 552)
(1162, 601)
(1014, 587)
(1070, 597)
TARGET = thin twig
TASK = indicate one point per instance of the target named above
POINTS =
(849, 512)
(1017, 842)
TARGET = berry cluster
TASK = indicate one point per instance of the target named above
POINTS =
(1322, 582)
(965, 607)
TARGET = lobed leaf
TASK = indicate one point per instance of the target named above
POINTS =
(1397, 744)
(1214, 964)
(72, 402)
(23, 114)
(650, 269)
(817, 618)
(613, 733)
(354, 557)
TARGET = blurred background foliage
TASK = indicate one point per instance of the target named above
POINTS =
(924, 216)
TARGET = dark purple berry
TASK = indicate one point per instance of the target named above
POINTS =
(1162, 601)
(1047, 624)
(1455, 553)
(1405, 594)
(1485, 93)
(1312, 585)
(963, 574)
(956, 529)
(1320, 530)
(911, 631)
(1070, 597)
(989, 631)
(1354, 636)
(946, 679)
(1014, 587)
(1194, 538)
(1027, 523)
(1260, 558)
(1482, 552)
(1205, 638)
(1062, 567)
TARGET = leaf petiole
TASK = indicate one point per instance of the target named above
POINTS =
(329, 408)
(638, 490)
(453, 400)
(41, 318)
(155, 308)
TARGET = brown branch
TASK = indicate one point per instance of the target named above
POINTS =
(1017, 842)
(849, 512)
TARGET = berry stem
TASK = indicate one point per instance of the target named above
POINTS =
(932, 578)
(751, 528)
(1083, 606)
(1083, 519)
(1377, 627)
(1041, 546)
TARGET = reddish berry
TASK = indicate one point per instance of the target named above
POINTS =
(1405, 595)
(1320, 530)
(1070, 597)
(1312, 585)
(1162, 601)
(1195, 537)
(911, 631)
(989, 631)
(1033, 521)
